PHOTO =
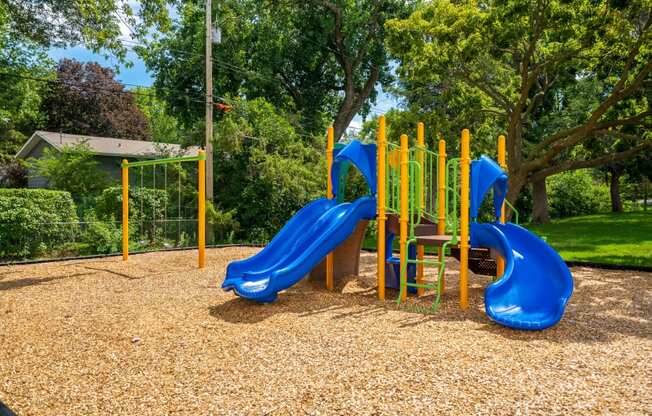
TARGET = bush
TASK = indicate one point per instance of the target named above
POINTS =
(576, 193)
(145, 206)
(35, 220)
(101, 237)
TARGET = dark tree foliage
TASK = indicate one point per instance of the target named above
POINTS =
(87, 99)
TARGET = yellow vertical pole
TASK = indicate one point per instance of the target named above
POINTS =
(500, 262)
(201, 210)
(329, 194)
(125, 209)
(380, 244)
(441, 201)
(465, 174)
(404, 214)
(422, 200)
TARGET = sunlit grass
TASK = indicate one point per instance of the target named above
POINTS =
(621, 239)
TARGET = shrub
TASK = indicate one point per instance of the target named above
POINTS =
(73, 169)
(35, 220)
(101, 237)
(145, 206)
(576, 193)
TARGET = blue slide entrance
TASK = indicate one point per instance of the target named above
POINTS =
(533, 291)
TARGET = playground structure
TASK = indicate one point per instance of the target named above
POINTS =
(201, 198)
(427, 201)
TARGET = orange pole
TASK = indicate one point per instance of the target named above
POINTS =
(465, 174)
(329, 194)
(125, 209)
(380, 244)
(500, 262)
(422, 202)
(201, 210)
(403, 221)
(441, 202)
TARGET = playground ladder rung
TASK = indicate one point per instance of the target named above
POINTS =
(428, 262)
(423, 285)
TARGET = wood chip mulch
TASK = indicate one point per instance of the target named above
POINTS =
(156, 336)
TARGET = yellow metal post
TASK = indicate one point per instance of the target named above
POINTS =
(404, 214)
(441, 202)
(465, 174)
(329, 194)
(381, 147)
(201, 210)
(125, 209)
(500, 262)
(422, 200)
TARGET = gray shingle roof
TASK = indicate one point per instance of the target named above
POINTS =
(107, 146)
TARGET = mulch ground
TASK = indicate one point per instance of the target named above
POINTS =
(156, 336)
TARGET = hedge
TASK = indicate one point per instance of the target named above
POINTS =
(34, 221)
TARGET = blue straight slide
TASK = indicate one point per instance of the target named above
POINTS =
(313, 232)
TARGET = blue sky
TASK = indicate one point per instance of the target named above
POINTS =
(138, 75)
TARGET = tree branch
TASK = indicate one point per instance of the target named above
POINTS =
(592, 163)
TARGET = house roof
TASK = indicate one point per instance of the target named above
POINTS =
(106, 146)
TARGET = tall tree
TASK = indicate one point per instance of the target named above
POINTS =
(319, 62)
(95, 23)
(87, 99)
(524, 55)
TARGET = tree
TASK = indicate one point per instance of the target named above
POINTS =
(20, 94)
(164, 126)
(263, 170)
(96, 24)
(72, 169)
(316, 63)
(86, 99)
(525, 56)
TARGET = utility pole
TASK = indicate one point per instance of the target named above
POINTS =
(209, 102)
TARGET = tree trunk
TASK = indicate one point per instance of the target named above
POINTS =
(614, 189)
(348, 109)
(540, 214)
(516, 183)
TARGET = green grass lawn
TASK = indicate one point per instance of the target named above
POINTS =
(620, 239)
(623, 239)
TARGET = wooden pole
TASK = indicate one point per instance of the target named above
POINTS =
(330, 144)
(209, 101)
(125, 209)
(380, 244)
(465, 173)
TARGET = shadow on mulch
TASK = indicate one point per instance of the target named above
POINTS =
(113, 272)
(34, 281)
(602, 308)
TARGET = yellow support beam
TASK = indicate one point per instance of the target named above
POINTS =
(330, 144)
(441, 202)
(201, 210)
(422, 201)
(125, 209)
(500, 262)
(403, 221)
(465, 176)
(380, 197)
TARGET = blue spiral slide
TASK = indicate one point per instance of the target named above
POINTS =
(533, 292)
(312, 233)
